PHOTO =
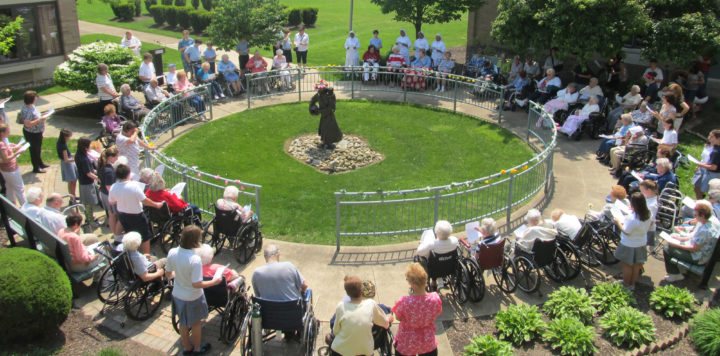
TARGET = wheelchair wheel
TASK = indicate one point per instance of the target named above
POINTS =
(246, 335)
(231, 322)
(572, 256)
(527, 276)
(244, 244)
(144, 300)
(477, 281)
(505, 276)
(601, 251)
(588, 256)
(174, 317)
(110, 287)
(559, 270)
(170, 235)
(460, 283)
(311, 332)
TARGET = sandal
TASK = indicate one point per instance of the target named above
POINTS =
(205, 347)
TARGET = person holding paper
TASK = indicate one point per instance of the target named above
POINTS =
(279, 63)
(631, 250)
(608, 143)
(257, 65)
(670, 136)
(371, 58)
(635, 137)
(129, 145)
(188, 295)
(667, 110)
(403, 42)
(352, 46)
(205, 76)
(131, 42)
(696, 244)
(128, 197)
(664, 174)
(83, 258)
(3, 116)
(437, 49)
(146, 267)
(625, 104)
(229, 202)
(534, 231)
(488, 235)
(33, 128)
(209, 269)
(156, 192)
(443, 243)
(15, 188)
(648, 189)
(567, 224)
(708, 168)
(629, 177)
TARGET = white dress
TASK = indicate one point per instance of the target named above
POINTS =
(404, 51)
(352, 56)
(421, 44)
(437, 56)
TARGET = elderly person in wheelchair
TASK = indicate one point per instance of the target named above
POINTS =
(535, 230)
(568, 225)
(206, 253)
(229, 73)
(156, 192)
(439, 242)
(229, 203)
(488, 235)
(280, 64)
(144, 266)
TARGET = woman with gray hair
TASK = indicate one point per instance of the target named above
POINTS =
(129, 104)
(106, 88)
(206, 253)
(280, 64)
(442, 243)
(229, 202)
(156, 192)
(629, 102)
(535, 230)
(664, 174)
(144, 266)
(230, 73)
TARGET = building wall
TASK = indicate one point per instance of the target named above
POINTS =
(39, 71)
(480, 24)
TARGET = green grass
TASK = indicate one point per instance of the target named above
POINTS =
(326, 38)
(170, 55)
(689, 144)
(49, 152)
(423, 147)
(17, 94)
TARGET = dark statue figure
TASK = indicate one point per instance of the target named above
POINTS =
(323, 103)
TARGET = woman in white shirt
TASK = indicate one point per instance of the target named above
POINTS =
(352, 56)
(437, 49)
(631, 250)
(564, 97)
(403, 42)
(280, 64)
(670, 136)
(421, 44)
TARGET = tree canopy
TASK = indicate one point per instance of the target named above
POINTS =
(419, 12)
(257, 21)
(8, 33)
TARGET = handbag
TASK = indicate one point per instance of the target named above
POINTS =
(295, 48)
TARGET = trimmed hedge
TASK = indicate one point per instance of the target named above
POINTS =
(125, 11)
(36, 295)
(158, 13)
(171, 15)
(309, 16)
(149, 4)
(195, 4)
(138, 7)
(207, 4)
(294, 17)
(180, 3)
(167, 2)
(200, 20)
(183, 16)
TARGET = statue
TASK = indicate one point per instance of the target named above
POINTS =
(328, 129)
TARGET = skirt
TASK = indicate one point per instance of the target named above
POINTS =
(68, 171)
(631, 255)
(105, 200)
(190, 312)
(88, 194)
(702, 178)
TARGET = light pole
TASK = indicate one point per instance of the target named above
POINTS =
(351, 13)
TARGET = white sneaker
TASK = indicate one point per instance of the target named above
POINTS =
(442, 90)
(216, 97)
(222, 95)
(674, 277)
(437, 88)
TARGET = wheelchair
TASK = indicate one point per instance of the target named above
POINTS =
(118, 283)
(476, 288)
(383, 340)
(493, 257)
(291, 315)
(545, 256)
(605, 239)
(165, 226)
(106, 137)
(243, 238)
(227, 87)
(230, 301)
(452, 268)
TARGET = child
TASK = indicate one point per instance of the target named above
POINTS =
(68, 169)
(209, 55)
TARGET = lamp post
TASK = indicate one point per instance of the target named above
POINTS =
(351, 14)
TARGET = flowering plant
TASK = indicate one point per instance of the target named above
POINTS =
(79, 70)
(322, 84)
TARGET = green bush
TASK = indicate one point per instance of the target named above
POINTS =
(627, 326)
(570, 336)
(180, 3)
(567, 302)
(608, 296)
(124, 11)
(488, 345)
(35, 297)
(705, 332)
(207, 4)
(294, 17)
(200, 20)
(519, 323)
(138, 7)
(673, 301)
(195, 4)
(167, 2)
(149, 4)
(309, 16)
(79, 70)
(171, 16)
(158, 13)
(183, 16)
(111, 351)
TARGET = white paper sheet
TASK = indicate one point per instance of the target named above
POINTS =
(689, 202)
(472, 234)
(622, 207)
(3, 101)
(617, 214)
(22, 141)
(669, 238)
(219, 272)
(178, 189)
(160, 169)
(648, 107)
(637, 176)
(49, 112)
(692, 159)
(607, 136)
(25, 147)
(618, 99)
(520, 231)
(428, 236)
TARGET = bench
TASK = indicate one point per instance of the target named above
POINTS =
(42, 239)
(705, 271)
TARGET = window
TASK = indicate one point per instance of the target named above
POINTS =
(40, 34)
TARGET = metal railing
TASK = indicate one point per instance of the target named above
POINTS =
(202, 188)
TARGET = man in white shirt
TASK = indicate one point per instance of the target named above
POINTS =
(147, 70)
(403, 42)
(654, 68)
(567, 224)
(155, 94)
(534, 231)
(131, 42)
(33, 206)
(171, 78)
(129, 198)
(301, 42)
(52, 218)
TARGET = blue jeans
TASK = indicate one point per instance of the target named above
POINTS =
(606, 145)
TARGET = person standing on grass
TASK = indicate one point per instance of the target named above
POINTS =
(185, 43)
(188, 296)
(243, 50)
(631, 250)
(403, 42)
(301, 42)
(33, 128)
(376, 41)
(68, 170)
(132, 43)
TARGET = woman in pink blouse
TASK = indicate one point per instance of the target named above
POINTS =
(183, 84)
(416, 314)
(83, 258)
(257, 64)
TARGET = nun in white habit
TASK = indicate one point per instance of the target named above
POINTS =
(352, 56)
(438, 49)
(421, 44)
(403, 42)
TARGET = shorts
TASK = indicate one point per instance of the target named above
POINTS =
(631, 255)
(68, 171)
(190, 312)
(301, 57)
(88, 194)
(136, 222)
(105, 200)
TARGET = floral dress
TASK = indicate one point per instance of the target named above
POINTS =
(417, 313)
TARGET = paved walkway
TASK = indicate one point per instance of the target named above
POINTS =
(578, 180)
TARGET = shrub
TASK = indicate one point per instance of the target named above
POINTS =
(195, 4)
(570, 336)
(488, 345)
(138, 7)
(180, 3)
(36, 295)
(207, 4)
(628, 326)
(200, 20)
(167, 2)
(294, 17)
(171, 16)
(570, 302)
(309, 16)
(79, 70)
(519, 323)
(158, 13)
(149, 4)
(704, 332)
(608, 296)
(672, 301)
(183, 16)
(111, 351)
(125, 10)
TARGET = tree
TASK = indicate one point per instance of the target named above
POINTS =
(585, 27)
(257, 21)
(682, 30)
(9, 32)
(419, 12)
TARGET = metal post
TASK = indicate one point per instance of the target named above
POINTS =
(351, 14)
(501, 105)
(404, 90)
(455, 98)
(530, 111)
(247, 87)
(257, 202)
(437, 206)
(207, 90)
(510, 200)
(299, 77)
(337, 222)
(352, 75)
